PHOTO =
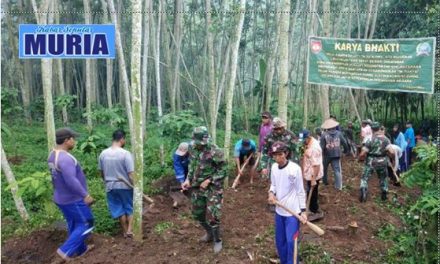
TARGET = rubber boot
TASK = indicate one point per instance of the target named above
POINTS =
(384, 196)
(363, 195)
(218, 243)
(208, 235)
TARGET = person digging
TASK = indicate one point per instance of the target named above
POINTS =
(207, 171)
(180, 164)
(245, 149)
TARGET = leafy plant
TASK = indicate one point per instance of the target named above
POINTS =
(93, 144)
(180, 125)
(420, 218)
(9, 102)
(65, 101)
(113, 116)
(162, 227)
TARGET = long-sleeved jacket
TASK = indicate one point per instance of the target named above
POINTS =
(331, 142)
(207, 163)
(180, 164)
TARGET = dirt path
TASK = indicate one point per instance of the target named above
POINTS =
(171, 236)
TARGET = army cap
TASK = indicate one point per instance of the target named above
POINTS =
(200, 135)
(218, 156)
(279, 123)
(375, 125)
(279, 147)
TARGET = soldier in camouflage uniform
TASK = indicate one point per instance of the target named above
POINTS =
(279, 133)
(207, 171)
(375, 151)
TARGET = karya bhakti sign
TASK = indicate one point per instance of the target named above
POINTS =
(404, 65)
(62, 41)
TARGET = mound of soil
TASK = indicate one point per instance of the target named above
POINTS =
(171, 236)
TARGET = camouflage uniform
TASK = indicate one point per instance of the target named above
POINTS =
(287, 137)
(207, 163)
(377, 159)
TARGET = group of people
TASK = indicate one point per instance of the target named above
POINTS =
(287, 159)
(71, 194)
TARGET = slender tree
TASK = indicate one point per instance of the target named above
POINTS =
(211, 75)
(14, 187)
(230, 90)
(42, 17)
(122, 67)
(137, 132)
(284, 60)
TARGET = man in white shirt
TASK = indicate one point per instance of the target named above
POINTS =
(286, 188)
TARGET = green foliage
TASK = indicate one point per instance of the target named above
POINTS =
(114, 116)
(93, 144)
(180, 125)
(162, 227)
(65, 101)
(311, 253)
(9, 102)
(420, 218)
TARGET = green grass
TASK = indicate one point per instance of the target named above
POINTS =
(162, 227)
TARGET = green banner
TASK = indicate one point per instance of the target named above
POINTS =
(404, 65)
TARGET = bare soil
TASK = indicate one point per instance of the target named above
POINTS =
(171, 236)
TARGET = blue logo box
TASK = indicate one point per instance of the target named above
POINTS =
(62, 41)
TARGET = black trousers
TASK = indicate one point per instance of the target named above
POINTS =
(314, 199)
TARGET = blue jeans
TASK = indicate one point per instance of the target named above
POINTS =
(336, 166)
(286, 232)
(79, 220)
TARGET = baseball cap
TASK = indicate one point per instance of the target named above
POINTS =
(64, 133)
(279, 146)
(182, 149)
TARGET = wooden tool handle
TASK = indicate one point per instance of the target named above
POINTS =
(314, 227)
(234, 184)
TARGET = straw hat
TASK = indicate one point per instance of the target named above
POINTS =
(329, 123)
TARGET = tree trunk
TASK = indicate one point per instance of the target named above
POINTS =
(167, 72)
(158, 84)
(211, 75)
(108, 63)
(271, 64)
(284, 63)
(324, 89)
(88, 72)
(14, 187)
(122, 67)
(19, 69)
(221, 85)
(230, 90)
(178, 37)
(137, 132)
(146, 35)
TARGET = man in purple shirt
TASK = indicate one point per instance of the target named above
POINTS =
(71, 195)
(265, 129)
